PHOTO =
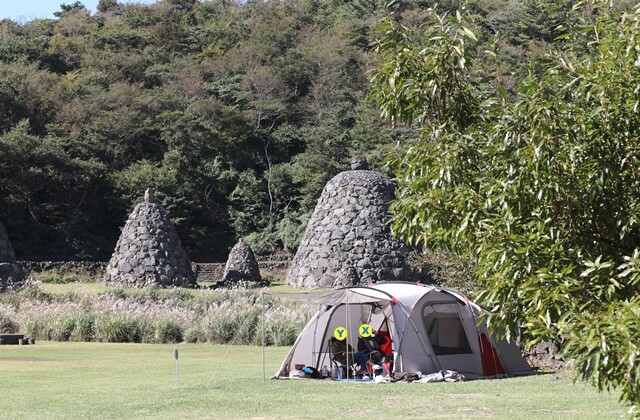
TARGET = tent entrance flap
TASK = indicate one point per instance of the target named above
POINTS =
(312, 348)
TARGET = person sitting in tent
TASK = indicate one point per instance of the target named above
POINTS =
(343, 353)
(371, 347)
(387, 349)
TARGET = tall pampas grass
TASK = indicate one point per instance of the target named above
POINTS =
(232, 316)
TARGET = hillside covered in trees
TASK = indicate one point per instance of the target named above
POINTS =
(237, 114)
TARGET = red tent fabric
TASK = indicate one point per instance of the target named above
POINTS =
(490, 362)
(387, 347)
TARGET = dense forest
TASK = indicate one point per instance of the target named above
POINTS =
(236, 113)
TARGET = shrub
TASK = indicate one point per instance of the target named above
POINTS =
(60, 327)
(194, 334)
(290, 230)
(247, 327)
(231, 323)
(68, 296)
(263, 242)
(221, 327)
(7, 325)
(11, 298)
(54, 277)
(35, 294)
(117, 329)
(167, 331)
(147, 330)
(281, 326)
(179, 295)
(444, 268)
(84, 327)
(148, 294)
(116, 293)
(35, 327)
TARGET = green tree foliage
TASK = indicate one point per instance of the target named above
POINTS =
(70, 8)
(36, 172)
(107, 5)
(237, 113)
(540, 189)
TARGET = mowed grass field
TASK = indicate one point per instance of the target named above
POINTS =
(102, 380)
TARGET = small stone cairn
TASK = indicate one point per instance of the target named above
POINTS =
(242, 268)
(149, 252)
(11, 273)
(348, 239)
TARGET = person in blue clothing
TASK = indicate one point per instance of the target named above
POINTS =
(343, 352)
(370, 346)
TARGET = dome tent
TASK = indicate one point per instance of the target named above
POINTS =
(432, 329)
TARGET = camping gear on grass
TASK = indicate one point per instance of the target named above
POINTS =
(432, 329)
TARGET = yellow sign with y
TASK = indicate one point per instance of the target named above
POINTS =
(340, 333)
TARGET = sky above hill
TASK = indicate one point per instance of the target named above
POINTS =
(26, 10)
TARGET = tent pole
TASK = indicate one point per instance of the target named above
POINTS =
(264, 375)
(347, 339)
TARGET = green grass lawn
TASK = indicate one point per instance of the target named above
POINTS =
(97, 380)
(88, 288)
(93, 288)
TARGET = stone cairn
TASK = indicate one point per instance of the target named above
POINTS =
(11, 273)
(242, 268)
(149, 252)
(348, 239)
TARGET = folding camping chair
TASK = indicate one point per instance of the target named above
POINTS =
(339, 362)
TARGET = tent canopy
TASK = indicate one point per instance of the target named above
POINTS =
(431, 329)
(347, 295)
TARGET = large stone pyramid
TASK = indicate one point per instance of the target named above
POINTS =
(149, 252)
(10, 272)
(242, 267)
(348, 239)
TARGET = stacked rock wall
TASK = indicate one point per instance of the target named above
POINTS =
(273, 264)
(205, 272)
(149, 252)
(348, 239)
(209, 272)
(277, 264)
(11, 273)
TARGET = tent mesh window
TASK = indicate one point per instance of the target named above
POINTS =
(445, 329)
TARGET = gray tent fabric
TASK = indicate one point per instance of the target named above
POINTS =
(350, 295)
(432, 330)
